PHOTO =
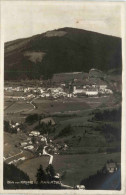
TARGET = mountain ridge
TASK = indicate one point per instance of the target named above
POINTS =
(61, 50)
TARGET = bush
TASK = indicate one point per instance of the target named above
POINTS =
(8, 128)
(66, 131)
(32, 118)
(107, 115)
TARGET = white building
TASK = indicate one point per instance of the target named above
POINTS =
(47, 94)
(17, 124)
(77, 91)
(23, 143)
(102, 87)
(80, 187)
(34, 133)
(22, 158)
(108, 91)
(91, 93)
(18, 129)
(30, 147)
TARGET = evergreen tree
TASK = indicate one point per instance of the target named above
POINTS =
(50, 172)
(41, 176)
(33, 139)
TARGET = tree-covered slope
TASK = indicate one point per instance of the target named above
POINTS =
(62, 50)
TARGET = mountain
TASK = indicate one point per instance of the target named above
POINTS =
(61, 50)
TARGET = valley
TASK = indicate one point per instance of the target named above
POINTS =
(65, 126)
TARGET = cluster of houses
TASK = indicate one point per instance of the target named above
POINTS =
(35, 139)
(54, 92)
(71, 89)
(15, 126)
(92, 90)
(31, 145)
(55, 148)
(88, 90)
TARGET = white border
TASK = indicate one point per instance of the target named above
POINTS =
(123, 143)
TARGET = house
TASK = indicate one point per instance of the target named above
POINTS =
(47, 94)
(17, 124)
(63, 84)
(30, 134)
(22, 158)
(30, 96)
(23, 143)
(77, 91)
(43, 139)
(69, 95)
(13, 126)
(18, 129)
(43, 95)
(41, 91)
(57, 177)
(28, 138)
(108, 91)
(111, 167)
(91, 93)
(34, 133)
(30, 147)
(80, 187)
(102, 87)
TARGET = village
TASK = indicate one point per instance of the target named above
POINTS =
(61, 91)
(44, 138)
(36, 143)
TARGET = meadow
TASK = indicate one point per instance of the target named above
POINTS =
(74, 168)
(30, 166)
(11, 141)
(19, 106)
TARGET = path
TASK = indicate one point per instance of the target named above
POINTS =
(66, 186)
(9, 105)
(45, 153)
(13, 155)
(31, 102)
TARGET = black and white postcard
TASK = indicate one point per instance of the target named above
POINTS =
(62, 71)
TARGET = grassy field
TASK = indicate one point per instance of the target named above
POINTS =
(18, 107)
(30, 166)
(88, 149)
(7, 104)
(74, 168)
(51, 106)
(14, 110)
(10, 140)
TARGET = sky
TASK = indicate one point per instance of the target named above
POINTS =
(27, 18)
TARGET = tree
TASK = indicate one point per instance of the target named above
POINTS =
(50, 172)
(33, 139)
(41, 176)
(31, 118)
(66, 131)
(6, 126)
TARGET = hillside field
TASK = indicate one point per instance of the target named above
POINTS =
(30, 166)
(74, 168)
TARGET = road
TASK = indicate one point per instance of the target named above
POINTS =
(66, 186)
(45, 153)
